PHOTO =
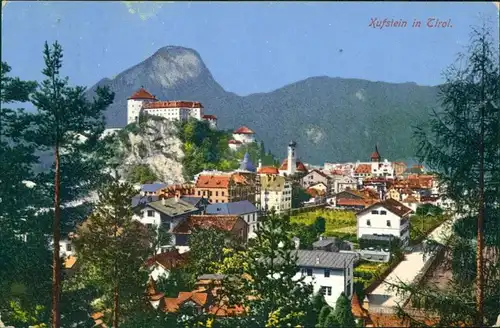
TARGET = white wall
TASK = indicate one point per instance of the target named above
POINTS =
(134, 106)
(335, 281)
(251, 219)
(245, 138)
(280, 200)
(66, 248)
(378, 223)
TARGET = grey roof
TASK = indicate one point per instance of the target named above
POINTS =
(327, 260)
(235, 208)
(152, 187)
(173, 207)
(191, 200)
(325, 242)
(211, 276)
(136, 200)
(378, 237)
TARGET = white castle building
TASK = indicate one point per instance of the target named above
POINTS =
(142, 100)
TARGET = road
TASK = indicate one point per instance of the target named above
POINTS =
(407, 270)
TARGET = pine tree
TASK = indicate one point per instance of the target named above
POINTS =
(331, 321)
(25, 273)
(343, 313)
(323, 314)
(64, 116)
(273, 287)
(462, 144)
(112, 249)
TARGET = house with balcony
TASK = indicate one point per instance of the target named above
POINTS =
(330, 273)
(388, 217)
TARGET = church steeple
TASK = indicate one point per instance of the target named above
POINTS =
(375, 157)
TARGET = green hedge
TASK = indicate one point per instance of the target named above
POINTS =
(365, 243)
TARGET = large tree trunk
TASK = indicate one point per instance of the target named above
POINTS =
(56, 231)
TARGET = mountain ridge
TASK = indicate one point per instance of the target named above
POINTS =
(331, 118)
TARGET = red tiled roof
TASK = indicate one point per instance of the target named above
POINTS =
(298, 167)
(354, 202)
(363, 168)
(319, 172)
(142, 94)
(172, 304)
(219, 222)
(173, 104)
(234, 142)
(213, 181)
(243, 130)
(168, 260)
(410, 199)
(268, 170)
(239, 179)
(209, 117)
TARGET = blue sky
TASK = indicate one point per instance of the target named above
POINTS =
(248, 47)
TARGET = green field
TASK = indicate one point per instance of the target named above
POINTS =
(338, 223)
(422, 225)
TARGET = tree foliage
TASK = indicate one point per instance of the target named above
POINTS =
(343, 312)
(141, 173)
(461, 143)
(112, 249)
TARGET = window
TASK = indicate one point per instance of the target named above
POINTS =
(348, 289)
(309, 272)
(388, 223)
(211, 193)
(327, 273)
(216, 193)
(374, 212)
(348, 271)
(151, 213)
(199, 193)
(222, 193)
(327, 291)
(368, 223)
(68, 247)
(383, 212)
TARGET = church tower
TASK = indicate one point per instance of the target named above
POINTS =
(292, 158)
(135, 103)
(375, 159)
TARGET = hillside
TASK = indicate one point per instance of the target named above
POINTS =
(332, 119)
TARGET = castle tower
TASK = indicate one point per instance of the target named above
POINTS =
(135, 103)
(292, 158)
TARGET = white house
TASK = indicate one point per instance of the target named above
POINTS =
(343, 182)
(143, 101)
(245, 209)
(244, 135)
(275, 193)
(388, 217)
(329, 272)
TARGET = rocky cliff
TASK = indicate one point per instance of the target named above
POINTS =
(154, 143)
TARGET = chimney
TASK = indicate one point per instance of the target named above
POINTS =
(296, 240)
(260, 163)
(317, 259)
(163, 201)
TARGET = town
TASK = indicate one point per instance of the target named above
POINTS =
(321, 189)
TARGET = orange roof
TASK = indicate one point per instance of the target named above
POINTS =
(392, 205)
(69, 262)
(268, 170)
(299, 166)
(354, 202)
(239, 179)
(213, 181)
(172, 304)
(209, 117)
(173, 104)
(142, 94)
(363, 168)
(410, 199)
(234, 142)
(243, 130)
(168, 260)
(219, 222)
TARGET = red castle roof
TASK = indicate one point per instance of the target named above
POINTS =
(243, 130)
(142, 94)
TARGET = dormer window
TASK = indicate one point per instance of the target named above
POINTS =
(383, 212)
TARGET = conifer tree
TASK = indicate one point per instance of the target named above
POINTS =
(112, 249)
(70, 126)
(331, 321)
(323, 314)
(343, 313)
(25, 269)
(272, 265)
(462, 144)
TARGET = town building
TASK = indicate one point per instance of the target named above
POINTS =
(143, 101)
(330, 273)
(243, 135)
(243, 208)
(291, 165)
(314, 177)
(152, 189)
(388, 217)
(225, 188)
(162, 263)
(355, 199)
(275, 193)
(235, 225)
(343, 182)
